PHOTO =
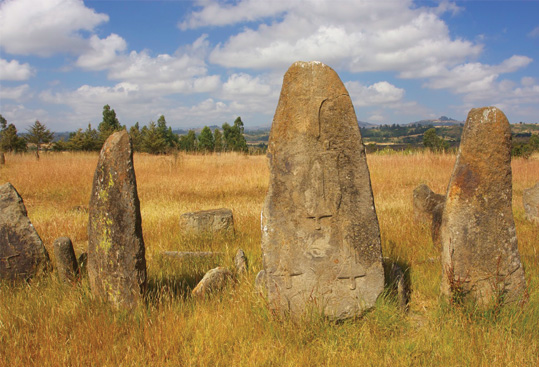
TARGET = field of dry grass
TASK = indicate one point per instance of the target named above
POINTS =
(46, 323)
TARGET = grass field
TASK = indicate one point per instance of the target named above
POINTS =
(46, 323)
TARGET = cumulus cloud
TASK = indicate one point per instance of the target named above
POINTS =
(534, 33)
(103, 53)
(45, 27)
(13, 70)
(381, 93)
(352, 34)
(15, 93)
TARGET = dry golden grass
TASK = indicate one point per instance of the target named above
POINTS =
(46, 323)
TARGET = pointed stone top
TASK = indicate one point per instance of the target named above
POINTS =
(9, 197)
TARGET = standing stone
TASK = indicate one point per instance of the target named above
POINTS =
(320, 234)
(530, 199)
(116, 260)
(240, 262)
(480, 256)
(66, 261)
(428, 204)
(22, 254)
(208, 221)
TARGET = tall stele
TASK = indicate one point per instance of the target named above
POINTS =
(480, 257)
(320, 234)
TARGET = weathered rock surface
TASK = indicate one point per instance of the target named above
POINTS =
(260, 281)
(213, 281)
(208, 221)
(22, 253)
(399, 284)
(320, 233)
(430, 206)
(530, 199)
(66, 261)
(480, 258)
(116, 254)
(240, 262)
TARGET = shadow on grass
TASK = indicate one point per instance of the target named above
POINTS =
(397, 281)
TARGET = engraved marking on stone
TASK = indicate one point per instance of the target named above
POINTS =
(287, 276)
(352, 272)
(6, 260)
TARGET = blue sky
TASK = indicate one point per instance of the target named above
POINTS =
(206, 62)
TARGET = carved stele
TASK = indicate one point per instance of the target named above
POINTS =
(480, 256)
(116, 255)
(320, 233)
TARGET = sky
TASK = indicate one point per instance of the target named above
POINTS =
(205, 62)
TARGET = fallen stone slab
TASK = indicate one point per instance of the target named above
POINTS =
(190, 254)
(22, 253)
(208, 221)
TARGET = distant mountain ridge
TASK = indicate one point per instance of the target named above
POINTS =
(442, 121)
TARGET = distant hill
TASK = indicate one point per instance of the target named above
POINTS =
(442, 121)
(366, 125)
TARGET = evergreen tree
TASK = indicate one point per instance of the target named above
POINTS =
(152, 140)
(136, 137)
(205, 140)
(233, 136)
(433, 141)
(188, 142)
(9, 139)
(39, 134)
(109, 124)
(218, 140)
(166, 132)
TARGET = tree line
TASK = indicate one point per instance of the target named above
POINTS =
(154, 138)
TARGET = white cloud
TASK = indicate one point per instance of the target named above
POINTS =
(103, 53)
(15, 93)
(244, 84)
(13, 70)
(22, 116)
(534, 33)
(381, 93)
(351, 34)
(45, 27)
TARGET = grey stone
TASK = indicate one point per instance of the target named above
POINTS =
(320, 234)
(213, 281)
(530, 200)
(240, 262)
(480, 258)
(430, 206)
(66, 261)
(116, 253)
(208, 221)
(260, 281)
(22, 253)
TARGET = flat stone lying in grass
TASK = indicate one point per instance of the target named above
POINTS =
(22, 253)
(208, 221)
(66, 261)
(116, 254)
(480, 258)
(320, 234)
(530, 199)
(191, 254)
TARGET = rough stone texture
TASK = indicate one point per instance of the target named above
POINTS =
(429, 205)
(66, 261)
(320, 233)
(22, 254)
(116, 255)
(240, 262)
(260, 281)
(480, 258)
(213, 281)
(208, 221)
(530, 199)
